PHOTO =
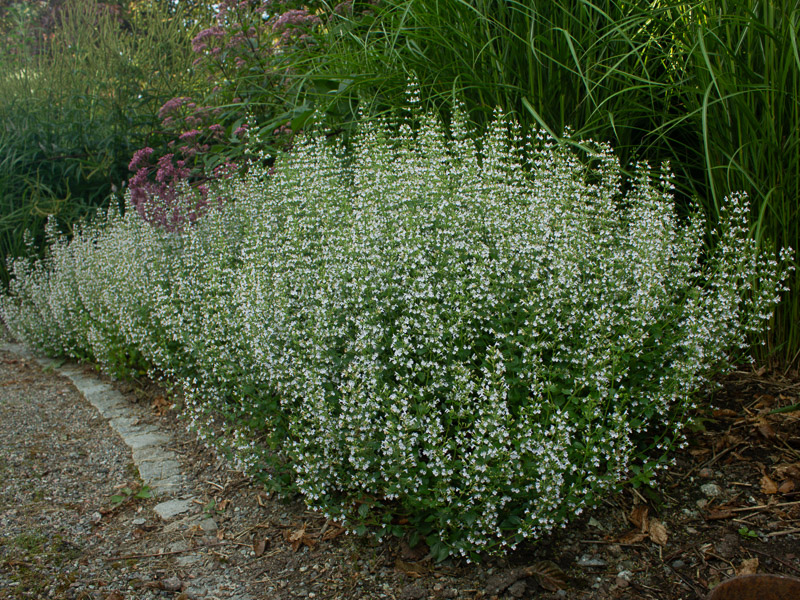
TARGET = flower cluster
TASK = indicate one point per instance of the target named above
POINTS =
(478, 343)
(174, 190)
(244, 40)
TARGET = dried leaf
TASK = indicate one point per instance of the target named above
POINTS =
(765, 429)
(333, 532)
(160, 405)
(638, 517)
(765, 401)
(633, 537)
(548, 575)
(700, 453)
(725, 412)
(221, 506)
(115, 596)
(792, 471)
(295, 538)
(787, 487)
(749, 566)
(722, 513)
(768, 486)
(297, 534)
(259, 545)
(415, 569)
(658, 533)
(299, 538)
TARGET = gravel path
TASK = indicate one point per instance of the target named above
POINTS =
(74, 508)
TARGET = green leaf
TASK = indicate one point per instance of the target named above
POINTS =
(413, 539)
(145, 492)
(440, 551)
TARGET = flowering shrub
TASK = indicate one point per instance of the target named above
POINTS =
(472, 344)
(243, 57)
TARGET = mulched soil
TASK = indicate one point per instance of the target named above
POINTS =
(730, 505)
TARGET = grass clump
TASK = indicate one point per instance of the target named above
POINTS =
(470, 341)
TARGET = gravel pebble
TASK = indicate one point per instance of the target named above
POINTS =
(711, 490)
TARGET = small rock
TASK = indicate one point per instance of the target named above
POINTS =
(498, 583)
(187, 560)
(179, 546)
(622, 583)
(711, 490)
(413, 592)
(196, 593)
(209, 526)
(615, 549)
(595, 523)
(590, 561)
(678, 564)
(625, 574)
(139, 521)
(171, 584)
(706, 473)
(518, 589)
(96, 517)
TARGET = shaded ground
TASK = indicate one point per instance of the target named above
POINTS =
(730, 505)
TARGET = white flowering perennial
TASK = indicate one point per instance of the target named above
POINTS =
(474, 343)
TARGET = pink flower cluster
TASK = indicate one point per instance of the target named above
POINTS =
(294, 24)
(243, 41)
(165, 202)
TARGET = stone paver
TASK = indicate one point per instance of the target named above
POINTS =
(172, 508)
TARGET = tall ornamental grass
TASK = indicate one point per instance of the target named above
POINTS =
(468, 343)
(737, 71)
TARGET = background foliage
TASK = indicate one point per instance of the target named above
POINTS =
(76, 101)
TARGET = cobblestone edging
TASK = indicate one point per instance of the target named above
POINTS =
(158, 466)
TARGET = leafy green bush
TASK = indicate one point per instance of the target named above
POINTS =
(474, 342)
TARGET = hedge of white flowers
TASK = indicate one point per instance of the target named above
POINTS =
(423, 334)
